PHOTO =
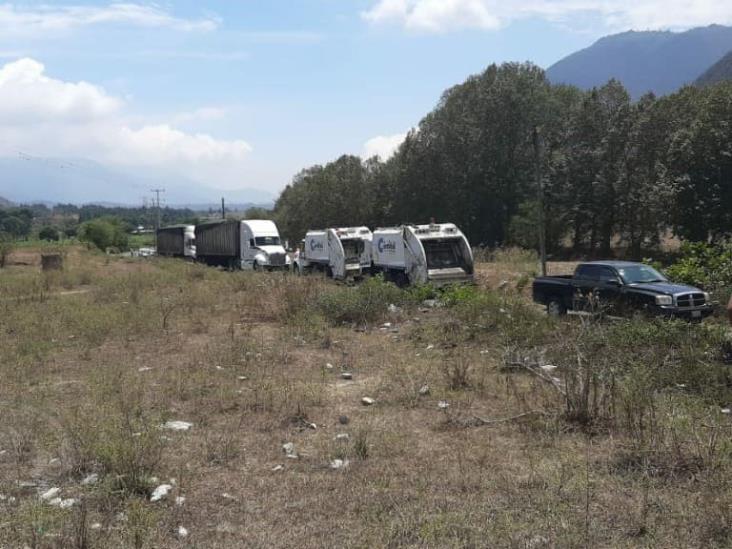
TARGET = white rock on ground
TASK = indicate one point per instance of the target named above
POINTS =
(339, 464)
(289, 449)
(347, 375)
(278, 468)
(329, 366)
(424, 390)
(726, 410)
(90, 479)
(430, 347)
(443, 405)
(182, 532)
(50, 494)
(177, 425)
(96, 526)
(342, 437)
(161, 492)
(67, 503)
(368, 401)
(180, 500)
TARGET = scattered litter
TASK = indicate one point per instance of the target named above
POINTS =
(343, 420)
(681, 385)
(67, 503)
(242, 378)
(180, 500)
(430, 303)
(50, 494)
(177, 425)
(342, 437)
(386, 325)
(161, 492)
(54, 461)
(347, 375)
(329, 366)
(503, 285)
(430, 347)
(393, 308)
(90, 479)
(144, 369)
(3, 452)
(309, 425)
(484, 352)
(339, 464)
(548, 367)
(368, 401)
(96, 526)
(443, 405)
(228, 496)
(726, 411)
(289, 449)
(182, 532)
(424, 390)
(278, 468)
(220, 368)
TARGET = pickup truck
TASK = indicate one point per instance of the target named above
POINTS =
(621, 287)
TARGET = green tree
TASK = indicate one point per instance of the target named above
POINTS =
(49, 234)
(104, 233)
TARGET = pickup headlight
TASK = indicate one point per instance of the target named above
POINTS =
(664, 300)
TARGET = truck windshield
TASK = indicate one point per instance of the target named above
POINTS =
(267, 241)
(443, 254)
(640, 274)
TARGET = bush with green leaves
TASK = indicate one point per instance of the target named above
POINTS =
(708, 266)
(48, 233)
(362, 304)
(104, 233)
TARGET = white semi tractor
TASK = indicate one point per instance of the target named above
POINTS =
(339, 252)
(177, 241)
(248, 244)
(438, 254)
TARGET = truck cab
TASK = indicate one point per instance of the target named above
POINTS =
(261, 246)
(341, 253)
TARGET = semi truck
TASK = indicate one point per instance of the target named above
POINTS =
(341, 253)
(438, 254)
(177, 241)
(248, 244)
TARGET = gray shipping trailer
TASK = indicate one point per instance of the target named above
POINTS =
(177, 241)
(219, 243)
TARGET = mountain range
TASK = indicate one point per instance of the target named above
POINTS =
(657, 61)
(80, 181)
(719, 72)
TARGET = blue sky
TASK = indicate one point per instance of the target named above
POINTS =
(244, 93)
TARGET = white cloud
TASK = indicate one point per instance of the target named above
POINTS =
(19, 20)
(48, 117)
(447, 15)
(383, 146)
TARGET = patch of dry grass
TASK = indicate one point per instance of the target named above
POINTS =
(469, 443)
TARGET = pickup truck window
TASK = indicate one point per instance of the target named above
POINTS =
(640, 274)
(596, 273)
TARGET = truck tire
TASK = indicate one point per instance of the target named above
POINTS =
(555, 308)
(255, 266)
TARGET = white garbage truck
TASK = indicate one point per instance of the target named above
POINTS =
(177, 241)
(438, 254)
(248, 244)
(339, 252)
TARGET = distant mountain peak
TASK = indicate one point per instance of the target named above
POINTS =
(721, 71)
(657, 61)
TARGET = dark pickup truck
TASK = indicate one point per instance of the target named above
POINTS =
(621, 287)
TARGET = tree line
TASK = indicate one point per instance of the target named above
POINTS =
(607, 172)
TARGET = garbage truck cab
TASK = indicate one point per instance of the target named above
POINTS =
(340, 253)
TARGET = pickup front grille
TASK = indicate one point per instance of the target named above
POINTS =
(690, 300)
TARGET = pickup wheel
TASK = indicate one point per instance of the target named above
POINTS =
(555, 308)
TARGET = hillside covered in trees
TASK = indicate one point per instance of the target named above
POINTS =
(721, 71)
(613, 171)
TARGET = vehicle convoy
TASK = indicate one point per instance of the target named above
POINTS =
(622, 287)
(438, 254)
(249, 244)
(177, 241)
(340, 253)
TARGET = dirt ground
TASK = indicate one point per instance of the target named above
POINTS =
(99, 358)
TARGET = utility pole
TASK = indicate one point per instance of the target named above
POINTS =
(538, 146)
(157, 213)
(223, 208)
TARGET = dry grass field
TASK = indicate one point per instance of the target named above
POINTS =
(491, 424)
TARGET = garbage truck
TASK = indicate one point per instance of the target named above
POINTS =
(437, 253)
(341, 253)
(248, 244)
(177, 241)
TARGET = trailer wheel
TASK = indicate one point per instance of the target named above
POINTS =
(255, 266)
(555, 308)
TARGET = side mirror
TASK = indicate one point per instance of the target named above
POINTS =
(613, 282)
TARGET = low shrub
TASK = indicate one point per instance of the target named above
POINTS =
(366, 303)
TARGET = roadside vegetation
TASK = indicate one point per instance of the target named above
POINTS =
(236, 402)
